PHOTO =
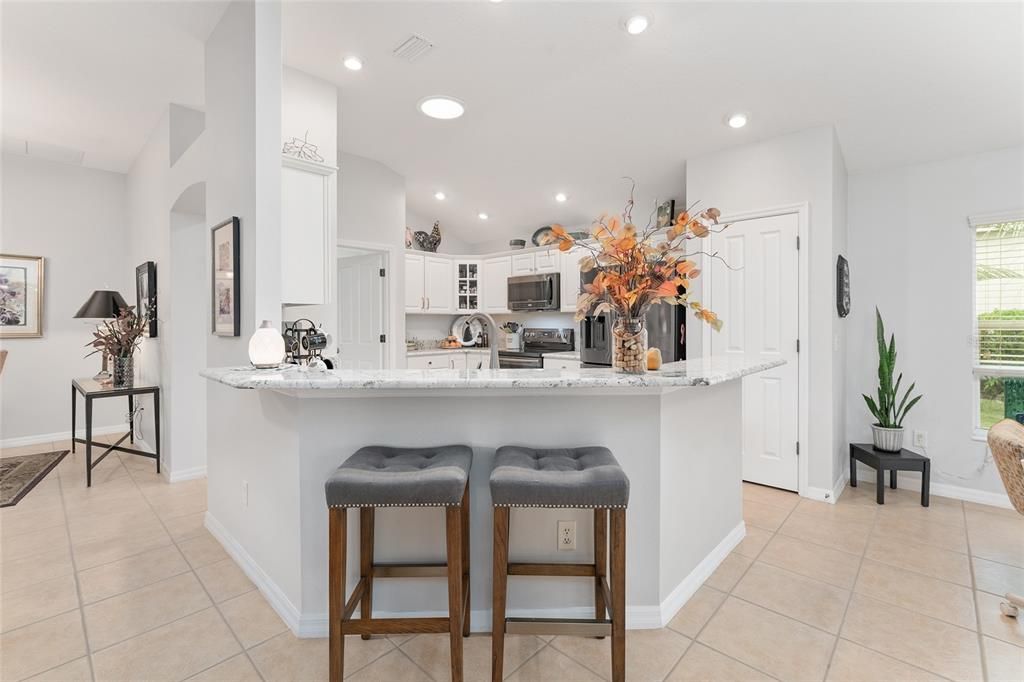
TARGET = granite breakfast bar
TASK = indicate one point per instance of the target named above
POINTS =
(676, 433)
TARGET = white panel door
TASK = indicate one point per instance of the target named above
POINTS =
(496, 272)
(570, 276)
(546, 261)
(361, 312)
(523, 264)
(415, 301)
(438, 284)
(304, 236)
(758, 300)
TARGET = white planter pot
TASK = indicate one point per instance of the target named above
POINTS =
(889, 440)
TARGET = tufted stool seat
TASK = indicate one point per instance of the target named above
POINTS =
(380, 476)
(588, 477)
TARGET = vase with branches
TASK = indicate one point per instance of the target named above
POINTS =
(119, 339)
(637, 268)
(887, 407)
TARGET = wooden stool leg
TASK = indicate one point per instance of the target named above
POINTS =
(499, 586)
(338, 521)
(366, 518)
(466, 597)
(600, 561)
(453, 523)
(618, 586)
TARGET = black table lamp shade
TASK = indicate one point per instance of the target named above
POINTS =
(102, 305)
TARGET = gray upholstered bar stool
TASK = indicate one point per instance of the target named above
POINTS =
(587, 477)
(398, 477)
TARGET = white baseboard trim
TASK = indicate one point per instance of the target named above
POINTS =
(315, 625)
(186, 474)
(274, 595)
(678, 597)
(60, 435)
(830, 495)
(909, 480)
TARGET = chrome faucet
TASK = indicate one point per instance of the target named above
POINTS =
(492, 335)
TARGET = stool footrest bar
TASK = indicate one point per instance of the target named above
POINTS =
(580, 570)
(580, 627)
(394, 626)
(410, 570)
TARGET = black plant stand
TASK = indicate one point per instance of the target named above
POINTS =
(90, 389)
(882, 461)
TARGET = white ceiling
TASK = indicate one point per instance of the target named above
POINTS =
(96, 76)
(560, 98)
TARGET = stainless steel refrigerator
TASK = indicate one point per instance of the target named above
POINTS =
(666, 329)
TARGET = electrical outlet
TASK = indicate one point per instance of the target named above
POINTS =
(245, 493)
(921, 438)
(566, 536)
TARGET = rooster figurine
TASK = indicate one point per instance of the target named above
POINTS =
(429, 242)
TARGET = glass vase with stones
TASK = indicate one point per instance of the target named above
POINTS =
(629, 345)
(124, 371)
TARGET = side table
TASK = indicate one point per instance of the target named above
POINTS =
(90, 389)
(882, 461)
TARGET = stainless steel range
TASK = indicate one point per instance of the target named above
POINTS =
(536, 342)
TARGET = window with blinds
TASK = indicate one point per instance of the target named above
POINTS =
(999, 293)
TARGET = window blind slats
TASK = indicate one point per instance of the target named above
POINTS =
(999, 293)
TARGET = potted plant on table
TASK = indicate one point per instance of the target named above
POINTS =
(119, 339)
(887, 407)
(637, 268)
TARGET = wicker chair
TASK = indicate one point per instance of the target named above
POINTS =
(1006, 440)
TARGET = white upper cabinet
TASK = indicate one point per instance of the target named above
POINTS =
(415, 299)
(546, 261)
(523, 264)
(570, 271)
(438, 274)
(467, 285)
(496, 272)
(308, 229)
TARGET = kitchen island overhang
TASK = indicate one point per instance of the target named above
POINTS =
(676, 433)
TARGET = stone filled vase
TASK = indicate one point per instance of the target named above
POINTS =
(124, 371)
(629, 345)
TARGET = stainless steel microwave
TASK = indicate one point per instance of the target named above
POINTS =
(534, 292)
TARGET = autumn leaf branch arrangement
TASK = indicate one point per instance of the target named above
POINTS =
(639, 268)
(120, 337)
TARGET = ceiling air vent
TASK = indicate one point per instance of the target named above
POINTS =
(43, 150)
(412, 48)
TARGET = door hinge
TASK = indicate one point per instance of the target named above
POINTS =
(382, 272)
(798, 242)
(383, 338)
(798, 448)
(798, 345)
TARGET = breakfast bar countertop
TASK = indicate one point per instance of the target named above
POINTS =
(701, 372)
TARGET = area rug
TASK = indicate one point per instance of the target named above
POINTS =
(20, 474)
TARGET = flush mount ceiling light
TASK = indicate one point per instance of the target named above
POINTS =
(482, 216)
(561, 197)
(442, 107)
(353, 63)
(637, 24)
(439, 196)
(737, 120)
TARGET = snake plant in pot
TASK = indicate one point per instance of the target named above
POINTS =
(888, 408)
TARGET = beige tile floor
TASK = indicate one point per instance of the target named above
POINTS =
(122, 582)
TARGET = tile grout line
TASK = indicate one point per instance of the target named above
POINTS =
(974, 597)
(192, 570)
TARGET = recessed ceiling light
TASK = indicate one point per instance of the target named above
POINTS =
(561, 198)
(495, 1)
(482, 216)
(353, 63)
(439, 196)
(442, 107)
(637, 24)
(737, 120)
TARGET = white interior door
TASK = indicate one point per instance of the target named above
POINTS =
(758, 299)
(361, 312)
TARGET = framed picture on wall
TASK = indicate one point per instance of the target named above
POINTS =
(21, 296)
(666, 211)
(227, 296)
(842, 286)
(145, 295)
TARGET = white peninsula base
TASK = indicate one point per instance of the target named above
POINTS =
(679, 443)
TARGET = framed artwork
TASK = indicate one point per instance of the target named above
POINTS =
(21, 296)
(842, 286)
(666, 213)
(227, 297)
(145, 295)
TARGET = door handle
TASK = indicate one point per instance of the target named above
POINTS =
(423, 303)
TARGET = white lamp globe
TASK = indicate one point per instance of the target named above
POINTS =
(266, 347)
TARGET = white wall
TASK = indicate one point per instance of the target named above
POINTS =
(309, 104)
(840, 245)
(787, 170)
(911, 254)
(76, 219)
(371, 208)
